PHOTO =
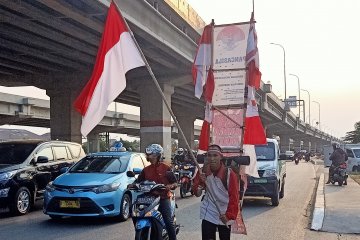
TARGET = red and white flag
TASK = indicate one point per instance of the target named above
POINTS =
(203, 76)
(204, 139)
(117, 54)
(252, 58)
(254, 131)
(202, 62)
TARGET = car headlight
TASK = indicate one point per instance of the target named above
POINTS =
(7, 175)
(50, 187)
(269, 173)
(106, 188)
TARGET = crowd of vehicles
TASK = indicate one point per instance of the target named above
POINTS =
(73, 184)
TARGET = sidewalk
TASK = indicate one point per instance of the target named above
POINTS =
(341, 206)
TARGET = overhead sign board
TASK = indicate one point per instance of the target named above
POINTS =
(291, 101)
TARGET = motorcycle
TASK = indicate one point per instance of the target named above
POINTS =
(148, 221)
(307, 157)
(339, 175)
(297, 160)
(187, 173)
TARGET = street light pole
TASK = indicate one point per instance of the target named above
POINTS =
(319, 112)
(284, 66)
(298, 89)
(309, 103)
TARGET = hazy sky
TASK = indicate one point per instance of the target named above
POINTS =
(322, 45)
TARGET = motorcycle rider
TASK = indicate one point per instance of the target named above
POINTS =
(337, 157)
(157, 172)
(180, 155)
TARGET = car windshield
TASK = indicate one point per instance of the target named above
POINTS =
(15, 153)
(357, 153)
(265, 152)
(101, 164)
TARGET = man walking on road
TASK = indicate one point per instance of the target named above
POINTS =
(223, 184)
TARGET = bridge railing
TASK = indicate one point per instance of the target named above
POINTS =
(193, 24)
(275, 110)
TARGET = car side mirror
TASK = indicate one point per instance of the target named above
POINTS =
(42, 159)
(130, 174)
(64, 170)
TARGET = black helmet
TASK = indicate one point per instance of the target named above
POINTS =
(335, 145)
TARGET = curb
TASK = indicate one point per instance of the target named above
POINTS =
(319, 209)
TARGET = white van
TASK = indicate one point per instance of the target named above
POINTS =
(272, 172)
(353, 163)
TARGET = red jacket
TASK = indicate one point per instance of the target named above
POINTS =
(156, 173)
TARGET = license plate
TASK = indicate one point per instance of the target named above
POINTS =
(261, 180)
(69, 204)
(146, 200)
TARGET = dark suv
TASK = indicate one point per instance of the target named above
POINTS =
(26, 167)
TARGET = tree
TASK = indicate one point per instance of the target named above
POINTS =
(102, 143)
(353, 136)
(134, 145)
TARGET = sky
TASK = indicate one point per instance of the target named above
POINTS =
(321, 39)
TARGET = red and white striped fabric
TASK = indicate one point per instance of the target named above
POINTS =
(117, 54)
(202, 61)
(254, 131)
(252, 58)
(204, 139)
(203, 76)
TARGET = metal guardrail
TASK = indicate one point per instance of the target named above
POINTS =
(291, 121)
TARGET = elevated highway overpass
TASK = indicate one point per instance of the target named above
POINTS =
(26, 111)
(53, 44)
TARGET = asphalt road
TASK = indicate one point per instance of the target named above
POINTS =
(287, 221)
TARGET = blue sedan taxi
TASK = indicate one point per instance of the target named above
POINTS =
(95, 186)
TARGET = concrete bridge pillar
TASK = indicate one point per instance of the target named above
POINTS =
(155, 119)
(298, 145)
(307, 145)
(186, 120)
(285, 143)
(65, 122)
(93, 142)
